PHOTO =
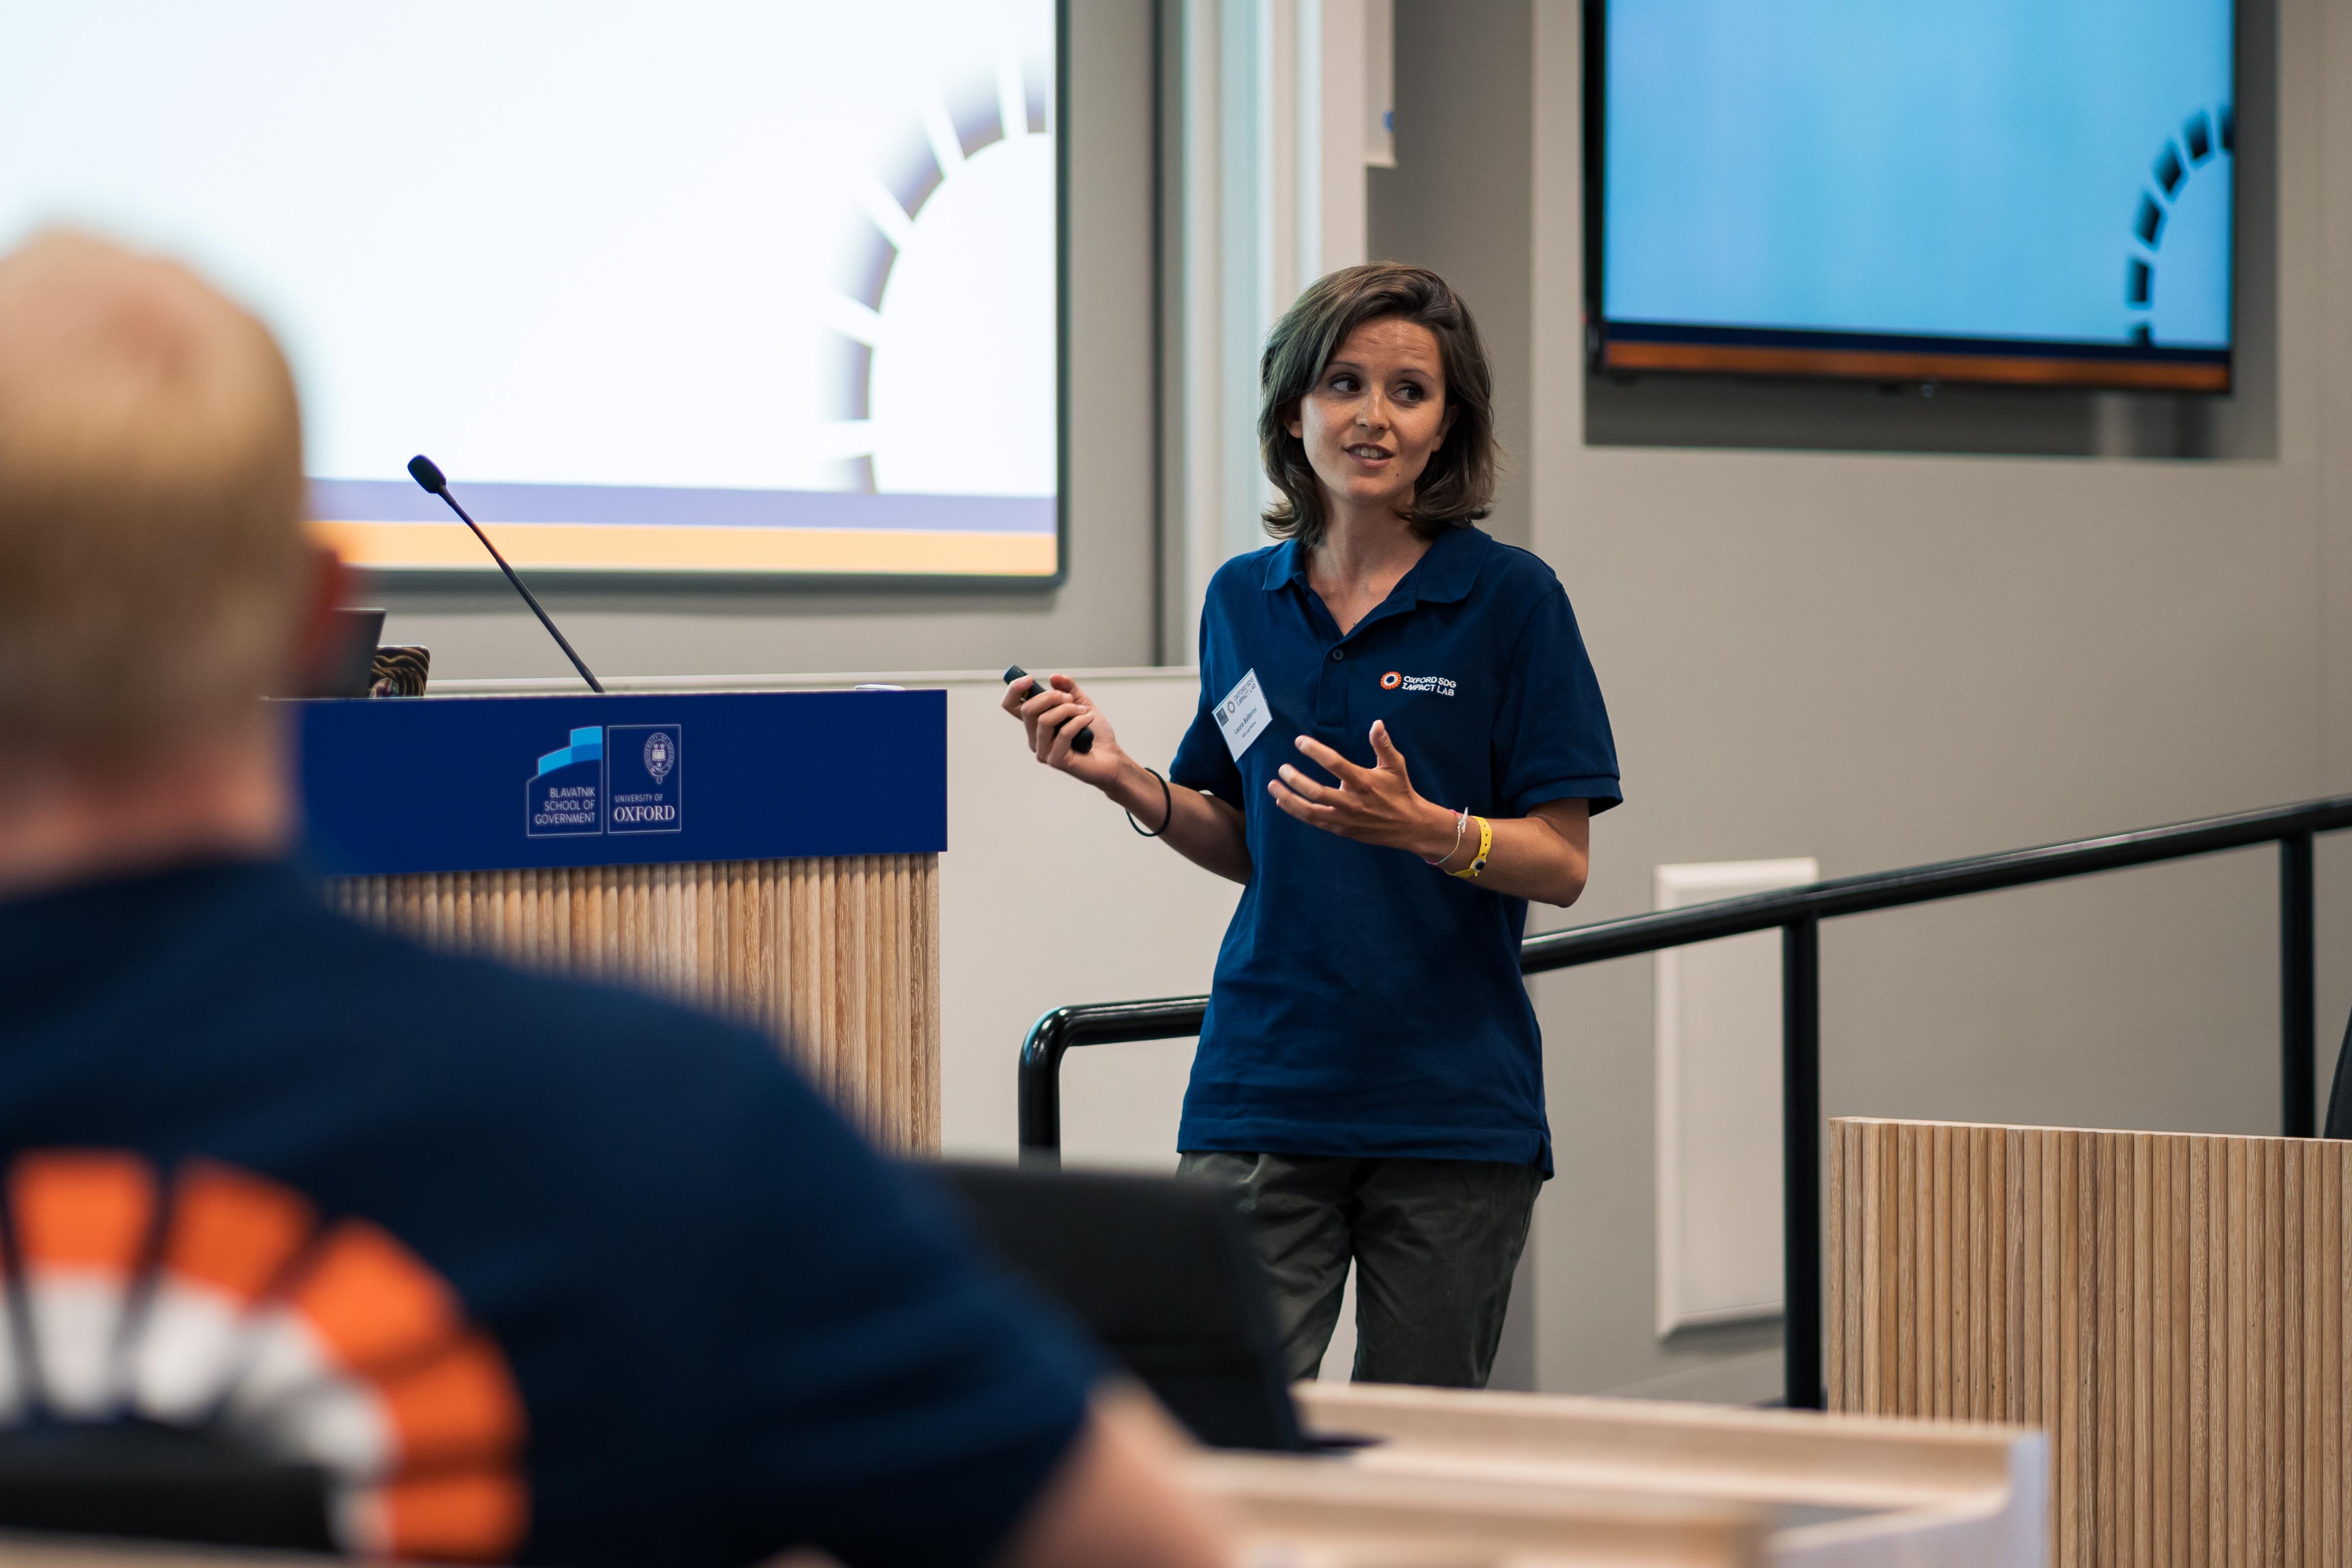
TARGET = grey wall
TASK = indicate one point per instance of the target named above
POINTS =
(1460, 199)
(1102, 615)
(1880, 659)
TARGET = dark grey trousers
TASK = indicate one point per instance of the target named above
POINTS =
(1434, 1244)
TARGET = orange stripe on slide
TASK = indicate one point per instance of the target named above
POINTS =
(470, 1517)
(667, 547)
(233, 1231)
(82, 1209)
(370, 1301)
(462, 1405)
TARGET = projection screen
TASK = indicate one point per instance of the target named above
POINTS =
(723, 286)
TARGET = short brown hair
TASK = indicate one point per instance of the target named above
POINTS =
(1457, 488)
(151, 552)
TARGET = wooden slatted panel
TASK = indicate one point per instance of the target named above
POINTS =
(2173, 1309)
(838, 958)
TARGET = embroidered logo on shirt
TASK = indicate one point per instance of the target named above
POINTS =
(1436, 685)
(216, 1302)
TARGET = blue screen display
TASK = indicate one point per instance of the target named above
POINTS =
(2036, 171)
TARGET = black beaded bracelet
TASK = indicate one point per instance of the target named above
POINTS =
(1167, 808)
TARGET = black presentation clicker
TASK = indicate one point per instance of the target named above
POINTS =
(1085, 739)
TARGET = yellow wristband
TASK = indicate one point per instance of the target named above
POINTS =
(1486, 846)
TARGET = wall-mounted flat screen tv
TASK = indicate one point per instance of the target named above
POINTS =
(2036, 191)
(733, 287)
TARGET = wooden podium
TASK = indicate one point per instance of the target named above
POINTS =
(768, 857)
(2174, 1309)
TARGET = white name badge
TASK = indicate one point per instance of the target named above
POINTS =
(1243, 715)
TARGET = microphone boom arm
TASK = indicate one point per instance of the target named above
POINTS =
(442, 491)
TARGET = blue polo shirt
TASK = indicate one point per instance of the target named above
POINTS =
(1364, 1003)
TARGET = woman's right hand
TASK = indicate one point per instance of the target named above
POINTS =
(1207, 832)
(1052, 717)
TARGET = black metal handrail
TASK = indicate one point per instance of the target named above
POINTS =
(1798, 912)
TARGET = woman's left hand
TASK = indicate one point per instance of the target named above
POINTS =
(1375, 805)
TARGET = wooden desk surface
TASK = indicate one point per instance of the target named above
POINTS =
(1828, 1489)
(1291, 1509)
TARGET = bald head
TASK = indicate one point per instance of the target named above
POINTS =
(153, 566)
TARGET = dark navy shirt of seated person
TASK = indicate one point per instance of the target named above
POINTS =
(1366, 1004)
(532, 1268)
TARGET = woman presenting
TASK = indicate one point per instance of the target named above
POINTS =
(1399, 742)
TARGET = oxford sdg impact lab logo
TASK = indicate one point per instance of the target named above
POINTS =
(647, 766)
(566, 795)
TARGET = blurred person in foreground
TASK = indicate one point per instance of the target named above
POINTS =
(530, 1269)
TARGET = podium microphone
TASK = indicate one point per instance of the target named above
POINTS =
(426, 472)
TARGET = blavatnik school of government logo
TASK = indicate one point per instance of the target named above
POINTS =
(617, 778)
(221, 1303)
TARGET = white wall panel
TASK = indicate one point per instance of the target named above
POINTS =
(1719, 1051)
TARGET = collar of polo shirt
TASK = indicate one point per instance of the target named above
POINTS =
(1443, 574)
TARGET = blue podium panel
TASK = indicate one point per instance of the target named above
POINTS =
(493, 783)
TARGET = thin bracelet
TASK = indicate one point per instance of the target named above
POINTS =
(1167, 804)
(1460, 821)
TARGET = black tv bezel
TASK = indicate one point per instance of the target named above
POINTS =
(1761, 354)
